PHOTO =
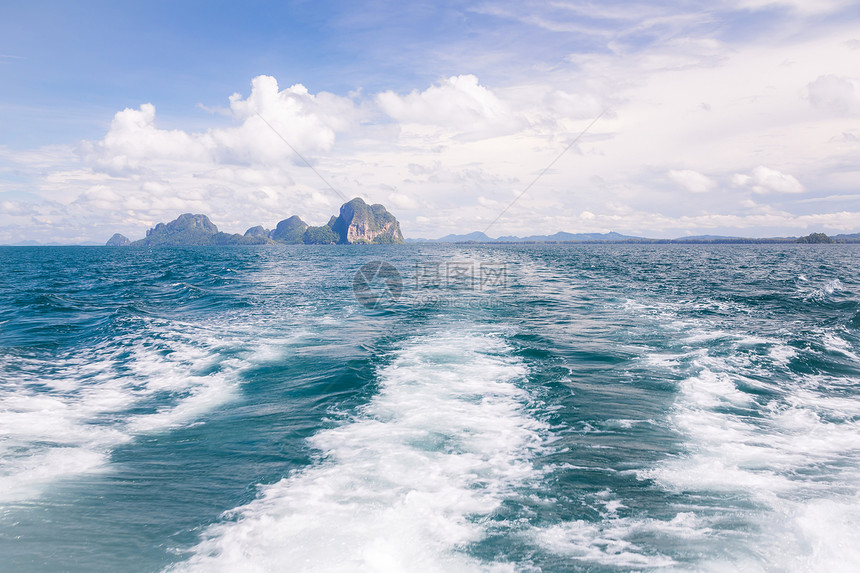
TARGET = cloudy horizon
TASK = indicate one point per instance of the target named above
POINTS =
(739, 117)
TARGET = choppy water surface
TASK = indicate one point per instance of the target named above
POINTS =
(585, 408)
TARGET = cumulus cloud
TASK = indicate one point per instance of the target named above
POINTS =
(140, 173)
(692, 181)
(402, 201)
(836, 94)
(133, 139)
(457, 103)
(445, 156)
(307, 122)
(763, 180)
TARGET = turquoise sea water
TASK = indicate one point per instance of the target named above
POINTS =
(584, 408)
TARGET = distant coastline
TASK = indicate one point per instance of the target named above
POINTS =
(360, 223)
(844, 239)
(618, 239)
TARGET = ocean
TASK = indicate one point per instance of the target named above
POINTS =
(430, 408)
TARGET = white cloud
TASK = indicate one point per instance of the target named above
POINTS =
(139, 173)
(134, 139)
(800, 6)
(445, 156)
(692, 181)
(763, 180)
(402, 201)
(836, 94)
(458, 103)
(307, 122)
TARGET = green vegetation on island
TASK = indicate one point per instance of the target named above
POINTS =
(357, 223)
(815, 238)
(290, 231)
(323, 235)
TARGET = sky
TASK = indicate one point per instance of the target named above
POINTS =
(720, 117)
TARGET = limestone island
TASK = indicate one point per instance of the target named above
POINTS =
(357, 223)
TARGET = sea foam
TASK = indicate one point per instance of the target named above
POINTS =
(785, 445)
(405, 483)
(63, 416)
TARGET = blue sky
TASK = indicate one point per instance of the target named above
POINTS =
(68, 67)
(728, 117)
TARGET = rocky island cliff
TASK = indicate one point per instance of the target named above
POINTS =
(118, 240)
(359, 222)
(356, 223)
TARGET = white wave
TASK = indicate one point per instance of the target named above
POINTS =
(782, 459)
(403, 485)
(796, 457)
(607, 542)
(830, 287)
(834, 343)
(64, 417)
(611, 540)
(664, 360)
(833, 286)
(626, 423)
(782, 354)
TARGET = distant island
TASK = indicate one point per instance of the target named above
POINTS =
(478, 237)
(562, 237)
(357, 223)
(360, 223)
